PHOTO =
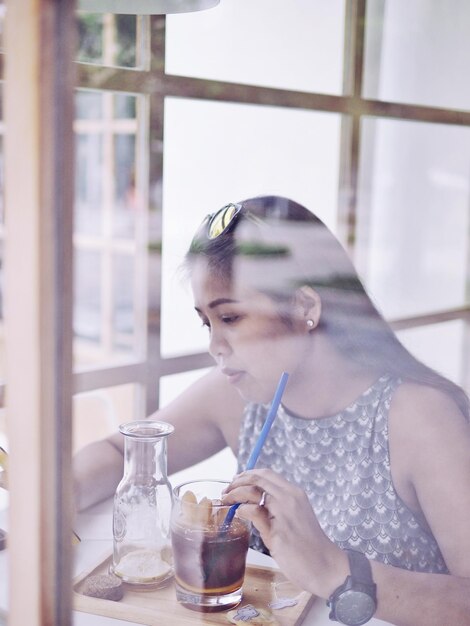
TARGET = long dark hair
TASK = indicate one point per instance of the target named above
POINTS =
(279, 246)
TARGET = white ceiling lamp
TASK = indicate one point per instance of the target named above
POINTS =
(145, 7)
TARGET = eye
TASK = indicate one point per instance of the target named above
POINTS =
(204, 321)
(230, 319)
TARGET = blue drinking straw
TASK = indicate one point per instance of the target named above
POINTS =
(261, 439)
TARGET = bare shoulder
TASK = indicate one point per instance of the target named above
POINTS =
(423, 419)
(416, 406)
(427, 428)
(430, 457)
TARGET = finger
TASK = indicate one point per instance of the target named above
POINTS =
(282, 496)
(260, 518)
(257, 503)
(263, 481)
(259, 476)
(269, 481)
(244, 494)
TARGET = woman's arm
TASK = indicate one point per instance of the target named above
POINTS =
(430, 449)
(309, 559)
(97, 470)
(206, 417)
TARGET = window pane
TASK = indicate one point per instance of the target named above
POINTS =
(126, 38)
(125, 106)
(90, 36)
(89, 105)
(418, 52)
(126, 201)
(215, 153)
(106, 164)
(110, 227)
(440, 346)
(89, 163)
(89, 183)
(87, 310)
(271, 43)
(107, 39)
(108, 318)
(124, 303)
(413, 217)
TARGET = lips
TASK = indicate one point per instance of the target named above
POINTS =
(233, 376)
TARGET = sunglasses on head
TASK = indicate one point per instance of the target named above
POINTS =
(219, 222)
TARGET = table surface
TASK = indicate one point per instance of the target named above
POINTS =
(94, 528)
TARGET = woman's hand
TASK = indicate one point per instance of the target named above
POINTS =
(290, 530)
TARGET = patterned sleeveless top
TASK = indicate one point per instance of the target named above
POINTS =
(342, 462)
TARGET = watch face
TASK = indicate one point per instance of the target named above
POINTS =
(354, 608)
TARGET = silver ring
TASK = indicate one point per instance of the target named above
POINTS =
(262, 500)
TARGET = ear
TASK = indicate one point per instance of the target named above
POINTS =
(308, 307)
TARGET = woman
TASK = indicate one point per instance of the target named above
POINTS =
(363, 489)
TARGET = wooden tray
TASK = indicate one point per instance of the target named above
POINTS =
(158, 607)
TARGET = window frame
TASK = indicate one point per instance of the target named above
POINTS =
(39, 75)
(151, 81)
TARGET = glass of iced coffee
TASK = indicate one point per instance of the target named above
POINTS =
(209, 557)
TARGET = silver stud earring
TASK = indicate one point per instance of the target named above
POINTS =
(310, 323)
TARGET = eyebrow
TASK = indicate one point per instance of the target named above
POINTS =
(218, 302)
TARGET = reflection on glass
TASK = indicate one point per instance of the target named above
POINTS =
(89, 165)
(90, 37)
(106, 130)
(125, 193)
(89, 105)
(107, 39)
(126, 35)
(221, 152)
(438, 345)
(110, 216)
(88, 288)
(125, 106)
(106, 306)
(412, 225)
(123, 302)
(98, 413)
(270, 43)
(89, 183)
(418, 52)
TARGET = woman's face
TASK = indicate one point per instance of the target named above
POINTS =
(249, 341)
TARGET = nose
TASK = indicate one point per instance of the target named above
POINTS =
(218, 344)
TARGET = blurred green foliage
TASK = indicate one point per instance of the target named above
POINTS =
(91, 39)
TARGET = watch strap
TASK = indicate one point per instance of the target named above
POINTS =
(360, 567)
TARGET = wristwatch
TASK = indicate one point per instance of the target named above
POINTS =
(355, 601)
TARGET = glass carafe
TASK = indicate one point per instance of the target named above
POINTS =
(142, 506)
